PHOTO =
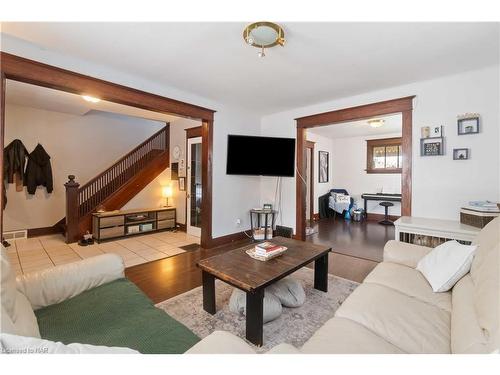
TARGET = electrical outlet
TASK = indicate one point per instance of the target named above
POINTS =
(238, 222)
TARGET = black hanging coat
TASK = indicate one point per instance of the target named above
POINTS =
(38, 170)
(14, 160)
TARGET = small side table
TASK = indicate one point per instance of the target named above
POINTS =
(265, 217)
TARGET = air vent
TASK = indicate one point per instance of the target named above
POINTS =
(15, 235)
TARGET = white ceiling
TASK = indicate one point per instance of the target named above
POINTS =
(320, 61)
(392, 125)
(59, 101)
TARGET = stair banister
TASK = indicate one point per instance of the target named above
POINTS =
(72, 208)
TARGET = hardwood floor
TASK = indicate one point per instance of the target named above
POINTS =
(364, 240)
(166, 278)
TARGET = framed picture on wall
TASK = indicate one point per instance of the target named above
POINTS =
(182, 183)
(323, 166)
(174, 171)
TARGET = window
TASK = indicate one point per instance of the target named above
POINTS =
(384, 155)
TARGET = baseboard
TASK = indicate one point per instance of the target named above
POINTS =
(181, 227)
(227, 239)
(37, 232)
(379, 217)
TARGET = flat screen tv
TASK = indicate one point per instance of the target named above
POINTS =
(260, 156)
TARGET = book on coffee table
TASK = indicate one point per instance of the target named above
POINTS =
(267, 248)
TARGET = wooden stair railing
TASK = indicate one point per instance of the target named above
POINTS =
(83, 200)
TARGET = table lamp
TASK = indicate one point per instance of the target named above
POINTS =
(167, 193)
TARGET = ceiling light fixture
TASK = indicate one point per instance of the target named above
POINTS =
(376, 123)
(264, 35)
(91, 99)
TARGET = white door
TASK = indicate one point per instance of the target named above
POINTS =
(193, 219)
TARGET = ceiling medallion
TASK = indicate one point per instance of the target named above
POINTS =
(264, 35)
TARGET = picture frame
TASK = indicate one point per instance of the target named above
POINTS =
(425, 132)
(182, 183)
(323, 166)
(432, 146)
(267, 206)
(174, 171)
(468, 125)
(436, 131)
(460, 154)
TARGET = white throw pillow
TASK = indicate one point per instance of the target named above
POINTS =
(446, 264)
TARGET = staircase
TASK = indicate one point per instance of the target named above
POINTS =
(114, 187)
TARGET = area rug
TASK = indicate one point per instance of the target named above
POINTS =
(295, 326)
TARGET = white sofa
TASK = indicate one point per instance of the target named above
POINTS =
(20, 297)
(395, 310)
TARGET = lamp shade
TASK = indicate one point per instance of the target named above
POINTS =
(167, 192)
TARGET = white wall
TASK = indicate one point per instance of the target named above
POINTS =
(440, 185)
(232, 196)
(348, 172)
(79, 145)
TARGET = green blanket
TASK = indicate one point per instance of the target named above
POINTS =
(115, 314)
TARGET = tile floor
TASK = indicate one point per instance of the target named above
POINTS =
(35, 254)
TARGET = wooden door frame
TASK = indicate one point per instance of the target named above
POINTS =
(310, 145)
(29, 71)
(401, 105)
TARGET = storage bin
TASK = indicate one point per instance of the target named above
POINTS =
(164, 215)
(476, 219)
(164, 224)
(111, 221)
(111, 232)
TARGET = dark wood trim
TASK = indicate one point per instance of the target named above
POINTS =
(193, 132)
(407, 163)
(228, 238)
(310, 145)
(370, 144)
(34, 72)
(386, 107)
(40, 74)
(2, 133)
(37, 232)
(207, 139)
(403, 105)
(300, 198)
(378, 217)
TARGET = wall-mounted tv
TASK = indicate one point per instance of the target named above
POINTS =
(260, 156)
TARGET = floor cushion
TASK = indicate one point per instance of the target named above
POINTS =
(115, 314)
(289, 291)
(272, 305)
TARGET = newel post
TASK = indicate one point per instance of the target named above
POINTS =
(72, 214)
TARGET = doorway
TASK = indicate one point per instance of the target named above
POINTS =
(401, 105)
(30, 71)
(194, 187)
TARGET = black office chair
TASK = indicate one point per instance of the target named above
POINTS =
(386, 220)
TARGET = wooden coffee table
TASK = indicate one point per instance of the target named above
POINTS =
(253, 276)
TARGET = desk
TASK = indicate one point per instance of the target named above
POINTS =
(380, 197)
